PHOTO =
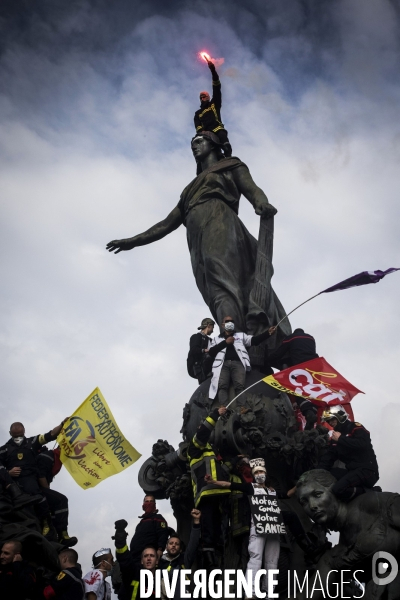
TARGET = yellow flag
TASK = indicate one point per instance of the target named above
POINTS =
(92, 445)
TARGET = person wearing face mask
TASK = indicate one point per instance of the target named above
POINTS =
(231, 359)
(18, 456)
(208, 117)
(177, 558)
(96, 586)
(151, 531)
(264, 542)
(350, 443)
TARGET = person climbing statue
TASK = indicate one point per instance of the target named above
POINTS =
(208, 117)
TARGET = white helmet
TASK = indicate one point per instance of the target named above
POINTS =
(335, 412)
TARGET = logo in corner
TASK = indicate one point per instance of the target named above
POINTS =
(384, 568)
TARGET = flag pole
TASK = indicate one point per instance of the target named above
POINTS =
(292, 311)
(250, 386)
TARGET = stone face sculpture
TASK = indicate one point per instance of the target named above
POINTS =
(223, 253)
(367, 525)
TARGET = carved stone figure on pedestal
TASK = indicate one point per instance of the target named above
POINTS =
(223, 253)
(368, 524)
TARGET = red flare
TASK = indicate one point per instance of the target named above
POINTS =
(205, 56)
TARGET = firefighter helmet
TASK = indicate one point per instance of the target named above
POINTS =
(335, 412)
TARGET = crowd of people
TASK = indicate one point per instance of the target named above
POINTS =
(240, 489)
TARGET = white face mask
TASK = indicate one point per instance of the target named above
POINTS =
(229, 326)
(259, 478)
(18, 440)
(107, 571)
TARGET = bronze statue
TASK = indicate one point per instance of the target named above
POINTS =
(368, 524)
(223, 253)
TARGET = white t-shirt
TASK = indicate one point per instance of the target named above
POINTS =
(95, 582)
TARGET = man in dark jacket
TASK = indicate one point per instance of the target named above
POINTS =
(351, 444)
(130, 568)
(17, 577)
(295, 349)
(197, 365)
(208, 117)
(68, 584)
(176, 558)
(151, 531)
(18, 455)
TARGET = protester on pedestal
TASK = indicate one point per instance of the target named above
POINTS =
(96, 586)
(198, 362)
(208, 117)
(297, 348)
(18, 455)
(203, 463)
(264, 542)
(350, 443)
(152, 531)
(49, 464)
(177, 558)
(231, 359)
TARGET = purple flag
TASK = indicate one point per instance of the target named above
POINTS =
(360, 279)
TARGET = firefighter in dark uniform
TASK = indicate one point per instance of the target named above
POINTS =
(18, 456)
(208, 117)
(130, 568)
(68, 584)
(295, 349)
(205, 465)
(197, 364)
(151, 531)
(351, 444)
(49, 464)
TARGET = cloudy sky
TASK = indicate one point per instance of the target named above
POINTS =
(96, 108)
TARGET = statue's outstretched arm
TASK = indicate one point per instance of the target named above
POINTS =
(158, 231)
(253, 193)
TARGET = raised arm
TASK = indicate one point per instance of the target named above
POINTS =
(216, 89)
(252, 192)
(155, 233)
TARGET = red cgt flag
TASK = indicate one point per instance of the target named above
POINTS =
(316, 381)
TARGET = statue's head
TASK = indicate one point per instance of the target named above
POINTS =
(315, 496)
(203, 144)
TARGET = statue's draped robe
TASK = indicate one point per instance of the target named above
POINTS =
(222, 251)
